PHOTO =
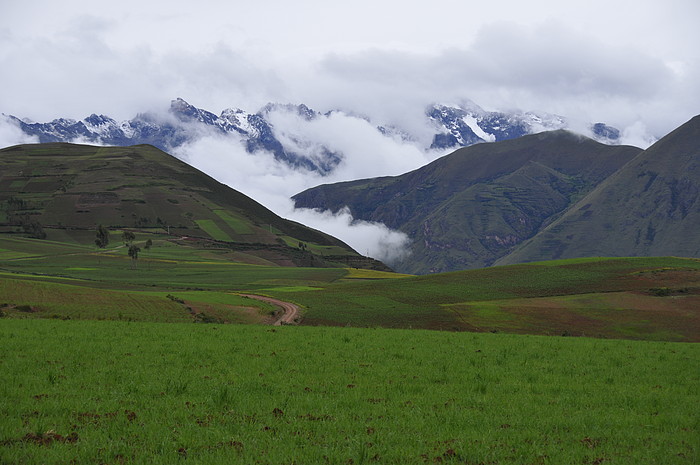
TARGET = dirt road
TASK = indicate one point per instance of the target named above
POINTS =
(290, 312)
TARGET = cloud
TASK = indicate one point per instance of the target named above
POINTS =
(77, 58)
(368, 238)
(11, 134)
(637, 135)
(78, 72)
(508, 66)
(365, 151)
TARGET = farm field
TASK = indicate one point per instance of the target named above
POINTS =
(125, 392)
(625, 298)
(628, 298)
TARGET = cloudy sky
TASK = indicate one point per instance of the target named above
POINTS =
(619, 61)
(632, 64)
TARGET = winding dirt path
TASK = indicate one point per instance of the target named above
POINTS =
(290, 312)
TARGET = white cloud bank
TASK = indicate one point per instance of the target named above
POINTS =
(11, 134)
(365, 153)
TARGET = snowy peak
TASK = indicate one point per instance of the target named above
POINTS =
(467, 124)
(605, 133)
(186, 112)
(289, 140)
(300, 110)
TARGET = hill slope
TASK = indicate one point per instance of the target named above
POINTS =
(650, 207)
(477, 204)
(632, 298)
(66, 190)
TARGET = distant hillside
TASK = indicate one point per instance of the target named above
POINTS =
(63, 191)
(649, 207)
(470, 208)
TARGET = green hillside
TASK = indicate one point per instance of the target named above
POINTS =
(470, 208)
(650, 207)
(628, 298)
(62, 192)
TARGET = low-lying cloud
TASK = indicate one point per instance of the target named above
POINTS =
(365, 153)
(11, 134)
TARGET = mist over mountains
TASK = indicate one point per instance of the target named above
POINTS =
(283, 130)
(284, 149)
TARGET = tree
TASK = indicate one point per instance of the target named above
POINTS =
(128, 237)
(148, 245)
(102, 237)
(134, 254)
(33, 228)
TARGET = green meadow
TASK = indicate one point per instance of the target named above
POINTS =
(125, 392)
(626, 298)
(629, 298)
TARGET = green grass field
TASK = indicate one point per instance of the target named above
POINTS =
(118, 392)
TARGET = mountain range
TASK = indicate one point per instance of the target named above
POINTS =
(537, 197)
(454, 126)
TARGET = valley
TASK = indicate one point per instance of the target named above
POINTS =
(149, 314)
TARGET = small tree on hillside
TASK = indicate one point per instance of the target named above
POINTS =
(134, 254)
(128, 237)
(102, 237)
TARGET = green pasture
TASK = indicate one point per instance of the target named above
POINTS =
(628, 298)
(121, 392)
(166, 265)
(213, 230)
(30, 298)
(461, 300)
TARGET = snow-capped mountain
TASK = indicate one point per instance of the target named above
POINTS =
(468, 124)
(454, 125)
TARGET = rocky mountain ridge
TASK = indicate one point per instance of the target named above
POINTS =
(454, 126)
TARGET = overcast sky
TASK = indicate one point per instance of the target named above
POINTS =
(622, 62)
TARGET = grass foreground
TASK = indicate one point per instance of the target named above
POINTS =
(125, 392)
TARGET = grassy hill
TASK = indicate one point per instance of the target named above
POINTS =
(630, 298)
(470, 208)
(64, 191)
(649, 207)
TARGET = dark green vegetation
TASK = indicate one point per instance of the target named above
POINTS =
(117, 393)
(63, 192)
(541, 197)
(649, 207)
(469, 208)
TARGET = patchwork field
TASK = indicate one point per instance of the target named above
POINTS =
(627, 298)
(121, 392)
